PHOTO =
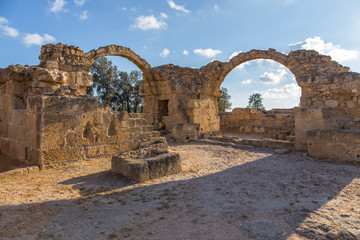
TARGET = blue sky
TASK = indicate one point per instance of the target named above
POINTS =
(190, 34)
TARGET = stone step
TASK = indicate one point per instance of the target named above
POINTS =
(290, 138)
(257, 142)
(276, 132)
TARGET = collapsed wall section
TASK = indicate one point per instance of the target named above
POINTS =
(276, 123)
(46, 118)
(14, 124)
(79, 128)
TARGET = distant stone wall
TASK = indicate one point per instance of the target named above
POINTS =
(276, 123)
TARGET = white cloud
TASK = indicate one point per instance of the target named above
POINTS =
(185, 52)
(3, 21)
(58, 6)
(335, 51)
(273, 78)
(124, 8)
(163, 15)
(247, 81)
(210, 53)
(177, 7)
(289, 90)
(84, 15)
(9, 31)
(6, 30)
(37, 39)
(79, 2)
(216, 7)
(149, 22)
(165, 53)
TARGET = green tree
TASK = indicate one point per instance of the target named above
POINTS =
(255, 101)
(104, 75)
(120, 90)
(224, 100)
(127, 97)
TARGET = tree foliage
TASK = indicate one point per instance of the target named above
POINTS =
(255, 101)
(224, 100)
(120, 90)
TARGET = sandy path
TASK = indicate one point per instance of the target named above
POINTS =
(222, 193)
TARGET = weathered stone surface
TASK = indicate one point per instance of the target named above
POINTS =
(144, 164)
(281, 151)
(276, 123)
(341, 145)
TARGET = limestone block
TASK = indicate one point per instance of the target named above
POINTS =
(32, 156)
(13, 87)
(115, 148)
(2, 88)
(52, 141)
(350, 104)
(357, 154)
(30, 123)
(105, 137)
(332, 103)
(318, 148)
(63, 155)
(59, 123)
(348, 137)
(76, 138)
(94, 151)
(143, 168)
(32, 139)
(345, 152)
(16, 131)
(34, 104)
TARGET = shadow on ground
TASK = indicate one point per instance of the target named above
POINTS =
(7, 163)
(269, 198)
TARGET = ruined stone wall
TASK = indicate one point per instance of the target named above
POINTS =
(14, 125)
(46, 119)
(79, 128)
(179, 100)
(192, 107)
(276, 123)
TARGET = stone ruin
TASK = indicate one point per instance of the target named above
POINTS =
(47, 118)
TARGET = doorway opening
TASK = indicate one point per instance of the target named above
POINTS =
(163, 106)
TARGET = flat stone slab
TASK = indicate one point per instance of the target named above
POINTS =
(139, 167)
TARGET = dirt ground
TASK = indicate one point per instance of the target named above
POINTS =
(222, 193)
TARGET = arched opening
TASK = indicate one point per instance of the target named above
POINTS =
(116, 81)
(263, 94)
(276, 84)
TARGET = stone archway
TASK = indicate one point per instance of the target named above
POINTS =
(276, 124)
(115, 50)
(243, 57)
(326, 94)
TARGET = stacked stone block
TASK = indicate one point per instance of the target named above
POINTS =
(276, 123)
(79, 128)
